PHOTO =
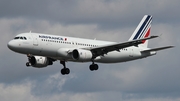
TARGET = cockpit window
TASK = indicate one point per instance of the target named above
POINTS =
(22, 38)
(16, 38)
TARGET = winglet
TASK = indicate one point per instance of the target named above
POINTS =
(154, 36)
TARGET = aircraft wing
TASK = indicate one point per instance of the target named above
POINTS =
(97, 51)
(157, 49)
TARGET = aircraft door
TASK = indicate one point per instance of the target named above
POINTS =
(131, 52)
(35, 39)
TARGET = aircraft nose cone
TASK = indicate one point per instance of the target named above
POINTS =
(11, 45)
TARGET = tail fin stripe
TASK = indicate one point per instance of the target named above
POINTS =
(142, 30)
(147, 34)
(148, 19)
(146, 29)
(143, 35)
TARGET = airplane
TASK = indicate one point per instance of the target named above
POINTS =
(43, 49)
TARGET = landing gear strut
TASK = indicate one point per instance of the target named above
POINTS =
(64, 70)
(29, 59)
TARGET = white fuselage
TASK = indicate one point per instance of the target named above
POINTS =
(43, 49)
(57, 47)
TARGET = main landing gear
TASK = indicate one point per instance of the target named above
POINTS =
(64, 70)
(93, 67)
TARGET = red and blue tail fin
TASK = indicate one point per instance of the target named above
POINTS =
(143, 30)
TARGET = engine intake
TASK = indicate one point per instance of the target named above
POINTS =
(39, 61)
(81, 55)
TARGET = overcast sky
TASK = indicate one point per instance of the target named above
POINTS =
(154, 78)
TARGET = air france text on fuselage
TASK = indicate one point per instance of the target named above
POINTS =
(50, 37)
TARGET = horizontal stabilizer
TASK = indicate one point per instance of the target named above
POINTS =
(157, 49)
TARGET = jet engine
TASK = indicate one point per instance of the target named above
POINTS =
(82, 55)
(39, 61)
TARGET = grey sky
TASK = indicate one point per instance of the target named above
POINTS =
(152, 79)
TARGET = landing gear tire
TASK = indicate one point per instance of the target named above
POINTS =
(96, 67)
(65, 71)
(93, 67)
(28, 64)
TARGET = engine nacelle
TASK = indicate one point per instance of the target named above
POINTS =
(40, 61)
(82, 55)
